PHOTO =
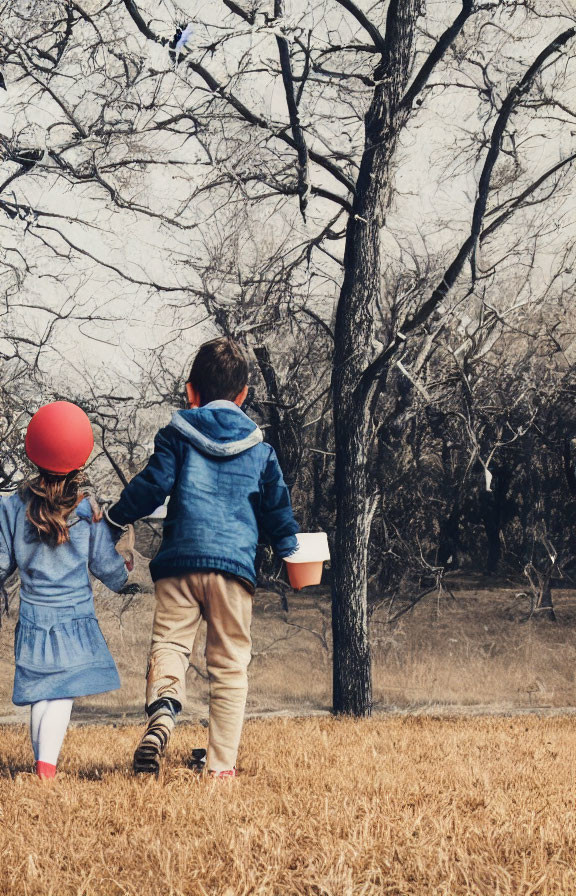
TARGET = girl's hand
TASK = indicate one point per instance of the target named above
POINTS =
(125, 547)
(97, 512)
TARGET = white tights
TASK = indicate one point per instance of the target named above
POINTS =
(48, 725)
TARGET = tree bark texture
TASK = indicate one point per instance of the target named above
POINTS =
(353, 350)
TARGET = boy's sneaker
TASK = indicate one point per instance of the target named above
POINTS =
(155, 739)
(227, 773)
(197, 761)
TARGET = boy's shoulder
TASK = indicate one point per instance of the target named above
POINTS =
(266, 451)
(168, 434)
(223, 434)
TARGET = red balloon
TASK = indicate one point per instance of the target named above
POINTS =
(59, 437)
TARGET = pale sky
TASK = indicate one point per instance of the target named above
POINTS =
(435, 177)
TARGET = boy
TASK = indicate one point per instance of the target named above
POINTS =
(223, 482)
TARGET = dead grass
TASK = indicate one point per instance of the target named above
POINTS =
(324, 807)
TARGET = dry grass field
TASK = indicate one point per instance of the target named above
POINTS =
(323, 807)
(449, 802)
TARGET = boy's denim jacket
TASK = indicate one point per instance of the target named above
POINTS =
(224, 483)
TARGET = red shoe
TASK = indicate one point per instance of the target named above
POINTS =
(227, 773)
(45, 770)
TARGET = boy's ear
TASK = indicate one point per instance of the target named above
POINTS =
(241, 397)
(193, 396)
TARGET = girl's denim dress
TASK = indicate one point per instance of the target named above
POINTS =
(60, 650)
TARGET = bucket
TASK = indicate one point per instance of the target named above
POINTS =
(305, 567)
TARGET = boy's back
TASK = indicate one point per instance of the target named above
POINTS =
(224, 484)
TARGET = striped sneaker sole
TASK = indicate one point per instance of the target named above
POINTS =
(149, 752)
(146, 760)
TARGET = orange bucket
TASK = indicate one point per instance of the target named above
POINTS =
(305, 566)
(302, 574)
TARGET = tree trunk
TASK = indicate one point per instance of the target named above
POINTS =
(285, 433)
(490, 512)
(352, 684)
(449, 538)
(494, 515)
(354, 349)
(545, 604)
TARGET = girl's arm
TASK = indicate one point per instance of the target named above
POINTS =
(7, 558)
(104, 561)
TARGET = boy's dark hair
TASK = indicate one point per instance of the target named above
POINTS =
(219, 370)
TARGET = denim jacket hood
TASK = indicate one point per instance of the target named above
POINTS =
(220, 428)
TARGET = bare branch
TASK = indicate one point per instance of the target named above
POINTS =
(511, 205)
(249, 116)
(237, 9)
(297, 132)
(369, 27)
(377, 368)
(444, 42)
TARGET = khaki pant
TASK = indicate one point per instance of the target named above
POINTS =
(181, 602)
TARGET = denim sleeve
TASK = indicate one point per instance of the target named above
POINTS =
(105, 562)
(150, 488)
(276, 517)
(7, 558)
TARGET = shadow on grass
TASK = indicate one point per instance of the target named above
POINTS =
(84, 774)
(90, 714)
(98, 774)
(11, 771)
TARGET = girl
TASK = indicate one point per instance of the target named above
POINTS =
(49, 531)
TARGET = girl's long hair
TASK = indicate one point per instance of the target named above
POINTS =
(51, 498)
